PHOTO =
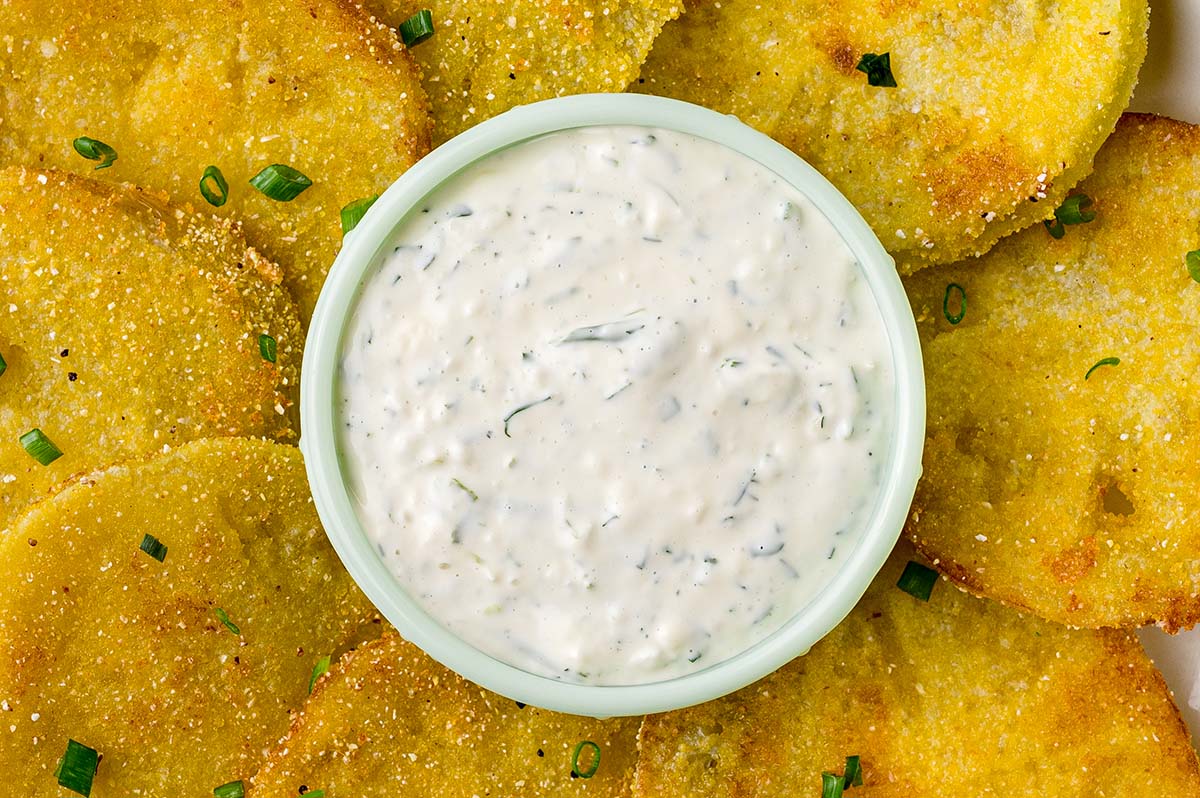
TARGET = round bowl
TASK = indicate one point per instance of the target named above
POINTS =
(320, 445)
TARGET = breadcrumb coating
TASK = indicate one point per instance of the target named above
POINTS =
(175, 87)
(1074, 496)
(127, 655)
(999, 108)
(390, 721)
(487, 56)
(128, 326)
(957, 696)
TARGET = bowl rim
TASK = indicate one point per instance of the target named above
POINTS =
(321, 450)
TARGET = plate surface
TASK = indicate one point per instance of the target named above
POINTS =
(1169, 84)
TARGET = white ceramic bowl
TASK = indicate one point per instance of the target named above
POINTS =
(320, 444)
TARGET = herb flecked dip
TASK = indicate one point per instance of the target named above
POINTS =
(616, 404)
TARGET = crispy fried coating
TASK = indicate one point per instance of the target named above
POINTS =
(389, 721)
(128, 325)
(999, 108)
(108, 646)
(959, 696)
(175, 87)
(487, 56)
(1069, 495)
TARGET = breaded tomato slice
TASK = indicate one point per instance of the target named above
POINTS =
(128, 325)
(1057, 478)
(175, 87)
(168, 615)
(997, 109)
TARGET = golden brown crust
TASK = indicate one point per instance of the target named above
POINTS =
(489, 56)
(178, 86)
(999, 107)
(957, 696)
(1064, 495)
(388, 720)
(126, 654)
(129, 325)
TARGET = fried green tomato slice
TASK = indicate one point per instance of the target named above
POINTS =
(957, 696)
(487, 56)
(178, 665)
(390, 721)
(1057, 479)
(178, 86)
(998, 107)
(127, 325)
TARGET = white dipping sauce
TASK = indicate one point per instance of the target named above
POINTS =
(616, 404)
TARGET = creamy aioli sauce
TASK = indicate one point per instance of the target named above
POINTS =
(616, 404)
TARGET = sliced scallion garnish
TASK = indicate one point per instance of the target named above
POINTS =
(878, 69)
(853, 776)
(417, 28)
(281, 182)
(593, 766)
(223, 617)
(3, 365)
(320, 669)
(154, 547)
(832, 785)
(77, 768)
(1107, 361)
(95, 150)
(315, 794)
(353, 213)
(955, 318)
(917, 580)
(220, 195)
(233, 789)
(1055, 228)
(40, 447)
(267, 347)
(1192, 259)
(1073, 210)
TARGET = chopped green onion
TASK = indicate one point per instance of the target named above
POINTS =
(214, 174)
(1054, 228)
(95, 150)
(77, 768)
(474, 496)
(962, 303)
(267, 347)
(917, 580)
(853, 776)
(280, 182)
(3, 365)
(39, 447)
(320, 669)
(223, 617)
(353, 213)
(417, 28)
(1107, 361)
(154, 547)
(595, 763)
(315, 794)
(878, 69)
(234, 789)
(1192, 259)
(1072, 211)
(832, 785)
